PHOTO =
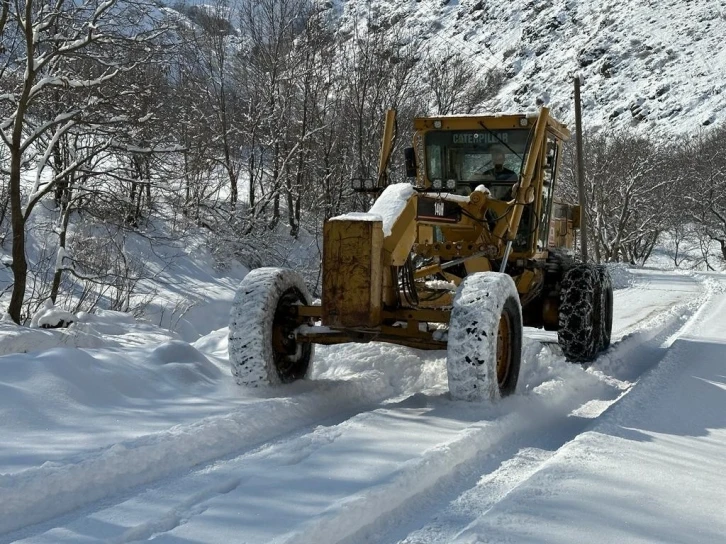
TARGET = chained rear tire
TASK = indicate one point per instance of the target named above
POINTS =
(579, 331)
(262, 347)
(604, 315)
(484, 350)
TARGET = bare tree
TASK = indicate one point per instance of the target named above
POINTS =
(703, 172)
(208, 47)
(66, 50)
(624, 184)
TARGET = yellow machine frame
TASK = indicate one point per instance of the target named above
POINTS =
(372, 291)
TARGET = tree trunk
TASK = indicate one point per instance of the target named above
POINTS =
(131, 218)
(58, 275)
(61, 184)
(233, 191)
(277, 186)
(17, 219)
(147, 176)
(291, 210)
(251, 171)
(137, 209)
(275, 211)
(297, 215)
(20, 264)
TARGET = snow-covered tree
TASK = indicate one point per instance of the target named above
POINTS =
(625, 182)
(58, 62)
(701, 172)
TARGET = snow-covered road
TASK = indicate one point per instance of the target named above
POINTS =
(630, 449)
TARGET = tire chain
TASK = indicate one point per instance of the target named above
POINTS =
(576, 334)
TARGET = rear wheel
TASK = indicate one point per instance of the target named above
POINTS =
(262, 345)
(604, 310)
(579, 333)
(484, 350)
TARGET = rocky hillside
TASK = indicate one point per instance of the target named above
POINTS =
(654, 65)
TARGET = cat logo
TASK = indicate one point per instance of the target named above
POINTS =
(438, 210)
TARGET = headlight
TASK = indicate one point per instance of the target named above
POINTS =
(366, 185)
(437, 184)
(450, 184)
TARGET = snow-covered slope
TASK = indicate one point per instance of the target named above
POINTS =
(123, 433)
(655, 65)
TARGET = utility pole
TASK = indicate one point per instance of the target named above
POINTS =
(580, 170)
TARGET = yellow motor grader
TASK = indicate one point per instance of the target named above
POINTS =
(461, 259)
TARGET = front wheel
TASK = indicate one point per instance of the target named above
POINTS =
(262, 345)
(484, 350)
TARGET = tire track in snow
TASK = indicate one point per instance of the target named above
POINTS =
(231, 475)
(363, 516)
(39, 494)
(372, 513)
(174, 502)
(475, 504)
(481, 447)
(507, 449)
(175, 516)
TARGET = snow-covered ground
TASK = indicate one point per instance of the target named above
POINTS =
(118, 431)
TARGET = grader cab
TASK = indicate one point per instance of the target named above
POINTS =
(475, 248)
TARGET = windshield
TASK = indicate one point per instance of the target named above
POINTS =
(472, 157)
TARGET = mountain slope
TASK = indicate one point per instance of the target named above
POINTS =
(654, 66)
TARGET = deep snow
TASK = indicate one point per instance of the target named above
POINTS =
(117, 431)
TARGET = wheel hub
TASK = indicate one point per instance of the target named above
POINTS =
(288, 352)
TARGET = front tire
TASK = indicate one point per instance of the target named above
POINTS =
(262, 345)
(484, 350)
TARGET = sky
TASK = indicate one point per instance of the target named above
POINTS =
(116, 430)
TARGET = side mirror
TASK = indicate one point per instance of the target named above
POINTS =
(409, 157)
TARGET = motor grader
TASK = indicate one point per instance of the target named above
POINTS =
(460, 259)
